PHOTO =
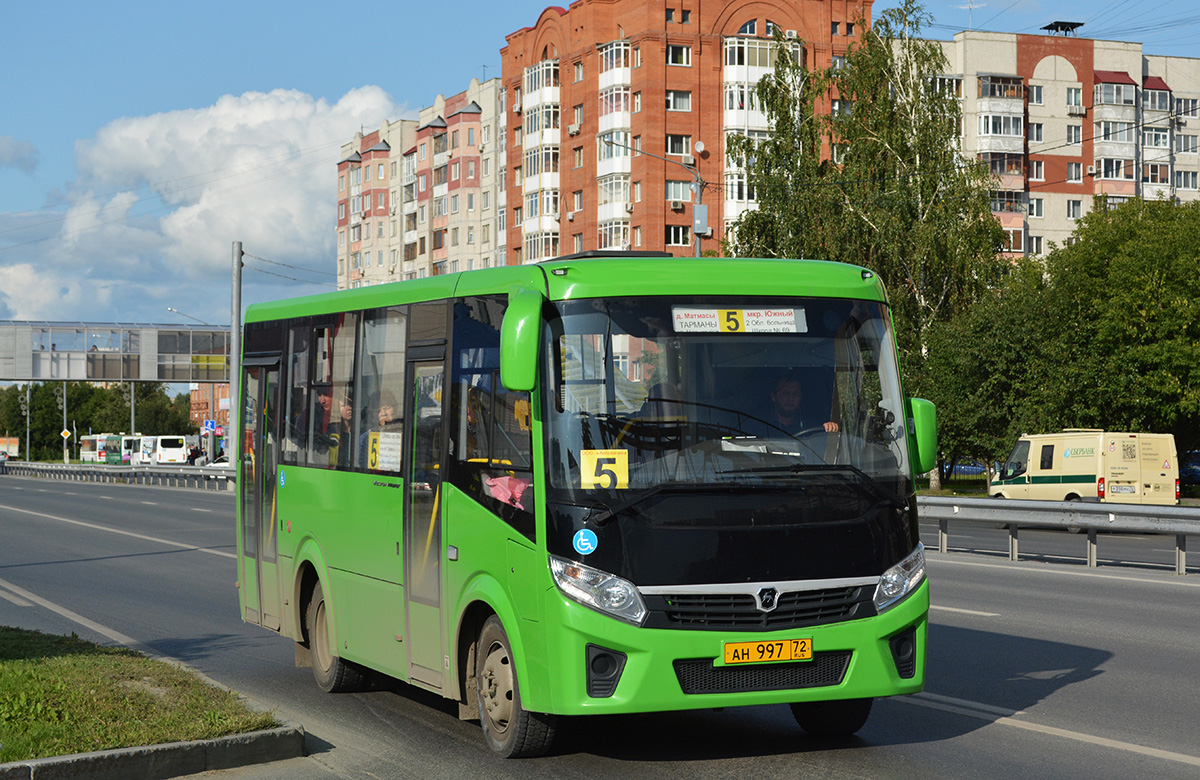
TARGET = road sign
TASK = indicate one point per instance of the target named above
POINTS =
(210, 425)
(66, 434)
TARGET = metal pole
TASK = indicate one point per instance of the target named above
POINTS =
(26, 410)
(132, 408)
(66, 445)
(235, 359)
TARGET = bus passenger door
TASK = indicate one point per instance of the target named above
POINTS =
(259, 575)
(422, 522)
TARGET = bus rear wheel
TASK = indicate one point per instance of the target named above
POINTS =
(508, 728)
(333, 675)
(832, 718)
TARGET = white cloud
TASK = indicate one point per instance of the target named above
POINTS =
(21, 155)
(160, 200)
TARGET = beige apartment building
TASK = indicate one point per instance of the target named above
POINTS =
(1060, 119)
(423, 197)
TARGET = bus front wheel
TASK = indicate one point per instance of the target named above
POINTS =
(832, 718)
(509, 729)
(333, 674)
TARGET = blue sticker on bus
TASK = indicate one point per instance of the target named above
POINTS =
(281, 478)
(585, 542)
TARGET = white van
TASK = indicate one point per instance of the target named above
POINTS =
(1087, 464)
(157, 450)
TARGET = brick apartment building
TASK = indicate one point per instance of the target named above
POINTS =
(617, 108)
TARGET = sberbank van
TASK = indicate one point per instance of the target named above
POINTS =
(1085, 464)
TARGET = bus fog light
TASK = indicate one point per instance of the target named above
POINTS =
(599, 590)
(900, 580)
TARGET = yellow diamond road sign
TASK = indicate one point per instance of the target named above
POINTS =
(66, 434)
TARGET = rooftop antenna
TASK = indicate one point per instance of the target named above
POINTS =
(970, 8)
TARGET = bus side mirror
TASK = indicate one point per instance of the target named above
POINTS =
(519, 340)
(924, 434)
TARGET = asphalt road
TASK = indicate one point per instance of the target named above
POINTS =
(1042, 668)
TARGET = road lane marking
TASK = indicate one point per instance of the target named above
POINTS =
(20, 602)
(75, 617)
(199, 509)
(1065, 572)
(150, 503)
(143, 537)
(965, 611)
(1006, 717)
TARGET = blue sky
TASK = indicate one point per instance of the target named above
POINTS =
(138, 140)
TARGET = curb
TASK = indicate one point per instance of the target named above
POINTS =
(161, 762)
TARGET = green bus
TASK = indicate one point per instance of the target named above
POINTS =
(594, 485)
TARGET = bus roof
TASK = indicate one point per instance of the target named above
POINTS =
(574, 278)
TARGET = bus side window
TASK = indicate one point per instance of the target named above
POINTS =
(490, 427)
(332, 403)
(1047, 457)
(381, 354)
(295, 436)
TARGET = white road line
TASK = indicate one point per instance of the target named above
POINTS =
(150, 503)
(965, 611)
(143, 537)
(199, 509)
(20, 602)
(1064, 572)
(1004, 717)
(75, 617)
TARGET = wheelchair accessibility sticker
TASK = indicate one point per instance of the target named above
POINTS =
(585, 542)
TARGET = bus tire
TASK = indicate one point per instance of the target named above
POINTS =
(332, 674)
(508, 728)
(839, 718)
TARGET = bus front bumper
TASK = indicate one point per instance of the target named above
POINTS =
(601, 665)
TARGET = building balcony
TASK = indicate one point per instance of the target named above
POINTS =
(615, 120)
(616, 77)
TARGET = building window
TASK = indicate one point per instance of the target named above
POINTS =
(679, 190)
(1186, 180)
(1074, 209)
(1185, 144)
(342, 183)
(613, 234)
(1014, 240)
(1035, 208)
(1074, 135)
(834, 29)
(1074, 96)
(1001, 124)
(1120, 132)
(670, 14)
(749, 28)
(1114, 94)
(1157, 137)
(1035, 245)
(578, 156)
(1074, 172)
(1117, 169)
(679, 235)
(1000, 87)
(678, 100)
(578, 72)
(1035, 94)
(614, 100)
(1187, 106)
(1035, 132)
(1156, 100)
(1156, 173)
(685, 17)
(679, 144)
(849, 28)
(614, 55)
(679, 55)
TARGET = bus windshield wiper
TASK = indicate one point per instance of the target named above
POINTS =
(798, 468)
(610, 512)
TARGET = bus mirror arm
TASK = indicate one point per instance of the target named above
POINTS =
(519, 336)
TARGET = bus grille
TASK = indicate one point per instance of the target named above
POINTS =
(701, 676)
(738, 611)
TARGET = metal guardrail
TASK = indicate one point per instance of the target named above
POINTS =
(1069, 515)
(202, 477)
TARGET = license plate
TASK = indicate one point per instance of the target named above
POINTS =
(759, 652)
(1123, 489)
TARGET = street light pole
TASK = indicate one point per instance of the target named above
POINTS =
(697, 183)
(190, 317)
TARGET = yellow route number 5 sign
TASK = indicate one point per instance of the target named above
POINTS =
(607, 469)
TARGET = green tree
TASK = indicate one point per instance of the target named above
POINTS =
(1104, 334)
(878, 182)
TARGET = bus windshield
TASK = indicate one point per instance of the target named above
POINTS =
(646, 394)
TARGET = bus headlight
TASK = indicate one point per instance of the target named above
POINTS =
(599, 590)
(900, 580)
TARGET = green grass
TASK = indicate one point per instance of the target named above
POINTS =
(61, 695)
